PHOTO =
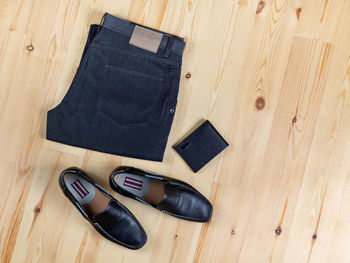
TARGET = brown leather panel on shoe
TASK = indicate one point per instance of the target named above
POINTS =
(149, 190)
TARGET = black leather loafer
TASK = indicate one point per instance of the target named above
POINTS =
(109, 217)
(168, 195)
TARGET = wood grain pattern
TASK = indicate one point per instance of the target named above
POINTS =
(273, 76)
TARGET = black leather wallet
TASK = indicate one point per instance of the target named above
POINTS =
(201, 146)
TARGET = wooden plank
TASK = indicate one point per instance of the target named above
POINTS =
(43, 229)
(16, 183)
(322, 191)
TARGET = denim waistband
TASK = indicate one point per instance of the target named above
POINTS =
(126, 28)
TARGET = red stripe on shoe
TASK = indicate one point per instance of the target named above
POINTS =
(132, 180)
(79, 188)
(131, 186)
(78, 184)
(82, 187)
(133, 183)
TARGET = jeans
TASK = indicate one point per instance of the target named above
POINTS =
(122, 99)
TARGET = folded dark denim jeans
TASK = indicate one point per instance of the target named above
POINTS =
(123, 97)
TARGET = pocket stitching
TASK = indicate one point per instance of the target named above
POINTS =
(99, 111)
(137, 73)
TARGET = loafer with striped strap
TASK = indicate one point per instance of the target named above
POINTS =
(169, 195)
(109, 217)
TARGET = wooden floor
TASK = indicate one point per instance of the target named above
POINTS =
(273, 77)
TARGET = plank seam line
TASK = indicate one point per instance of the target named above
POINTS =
(306, 37)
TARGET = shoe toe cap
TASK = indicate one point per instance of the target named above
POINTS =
(119, 225)
(132, 235)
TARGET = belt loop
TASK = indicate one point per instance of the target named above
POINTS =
(101, 22)
(169, 46)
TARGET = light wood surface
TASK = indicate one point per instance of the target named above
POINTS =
(273, 77)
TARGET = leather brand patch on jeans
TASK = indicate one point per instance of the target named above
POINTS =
(122, 99)
(146, 39)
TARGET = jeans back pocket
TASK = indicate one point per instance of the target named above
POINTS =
(128, 97)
